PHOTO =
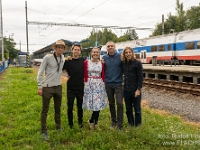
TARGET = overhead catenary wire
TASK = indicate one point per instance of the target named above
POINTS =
(90, 10)
(155, 12)
(62, 17)
(80, 16)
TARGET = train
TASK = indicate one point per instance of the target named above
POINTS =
(183, 47)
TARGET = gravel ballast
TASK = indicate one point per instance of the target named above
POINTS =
(185, 105)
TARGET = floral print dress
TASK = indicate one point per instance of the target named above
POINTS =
(95, 97)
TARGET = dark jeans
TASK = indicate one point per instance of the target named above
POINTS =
(71, 95)
(47, 94)
(112, 93)
(133, 102)
(95, 117)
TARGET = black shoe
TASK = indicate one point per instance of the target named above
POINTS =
(113, 126)
(60, 130)
(71, 126)
(45, 136)
(81, 125)
(131, 124)
(137, 125)
(119, 127)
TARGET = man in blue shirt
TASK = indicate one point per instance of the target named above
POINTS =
(113, 83)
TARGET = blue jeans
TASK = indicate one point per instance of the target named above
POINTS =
(133, 102)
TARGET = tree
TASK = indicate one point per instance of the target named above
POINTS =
(108, 36)
(9, 48)
(181, 18)
(134, 35)
(170, 23)
(193, 18)
(177, 23)
(101, 36)
(129, 35)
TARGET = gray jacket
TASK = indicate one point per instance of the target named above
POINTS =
(52, 76)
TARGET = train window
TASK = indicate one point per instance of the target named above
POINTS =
(144, 55)
(137, 56)
(169, 47)
(153, 48)
(198, 45)
(189, 45)
(161, 48)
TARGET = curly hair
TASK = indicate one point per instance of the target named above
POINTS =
(123, 57)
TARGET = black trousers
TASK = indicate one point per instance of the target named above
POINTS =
(71, 95)
(133, 102)
(47, 94)
(115, 96)
(95, 117)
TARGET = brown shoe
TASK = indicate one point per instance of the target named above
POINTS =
(91, 125)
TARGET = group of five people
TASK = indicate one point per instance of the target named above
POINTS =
(92, 82)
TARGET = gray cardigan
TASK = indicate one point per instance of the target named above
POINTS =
(49, 66)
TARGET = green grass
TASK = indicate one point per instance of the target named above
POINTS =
(20, 108)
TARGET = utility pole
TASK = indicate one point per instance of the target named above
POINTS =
(27, 55)
(163, 25)
(96, 42)
(1, 32)
(20, 46)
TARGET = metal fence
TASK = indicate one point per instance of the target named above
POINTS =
(1, 34)
(3, 66)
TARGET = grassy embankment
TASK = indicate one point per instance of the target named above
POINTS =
(20, 108)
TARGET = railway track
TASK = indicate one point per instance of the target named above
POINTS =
(182, 87)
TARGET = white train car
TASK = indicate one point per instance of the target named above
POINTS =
(182, 46)
(118, 47)
(188, 46)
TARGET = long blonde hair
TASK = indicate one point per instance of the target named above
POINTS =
(123, 57)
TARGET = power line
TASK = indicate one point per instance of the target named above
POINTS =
(62, 17)
(85, 25)
(156, 11)
(81, 16)
(90, 10)
(65, 14)
(74, 8)
(31, 44)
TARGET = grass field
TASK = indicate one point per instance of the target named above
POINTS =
(20, 108)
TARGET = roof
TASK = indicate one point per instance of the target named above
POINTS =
(67, 42)
(48, 48)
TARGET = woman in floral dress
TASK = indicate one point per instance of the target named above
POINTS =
(95, 97)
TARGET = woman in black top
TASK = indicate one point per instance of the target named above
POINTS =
(133, 78)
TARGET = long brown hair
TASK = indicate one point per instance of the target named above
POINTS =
(123, 57)
(93, 49)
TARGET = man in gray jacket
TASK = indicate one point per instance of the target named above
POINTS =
(50, 86)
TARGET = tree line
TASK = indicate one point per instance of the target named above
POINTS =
(183, 20)
(10, 52)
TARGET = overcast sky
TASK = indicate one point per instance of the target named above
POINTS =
(137, 13)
